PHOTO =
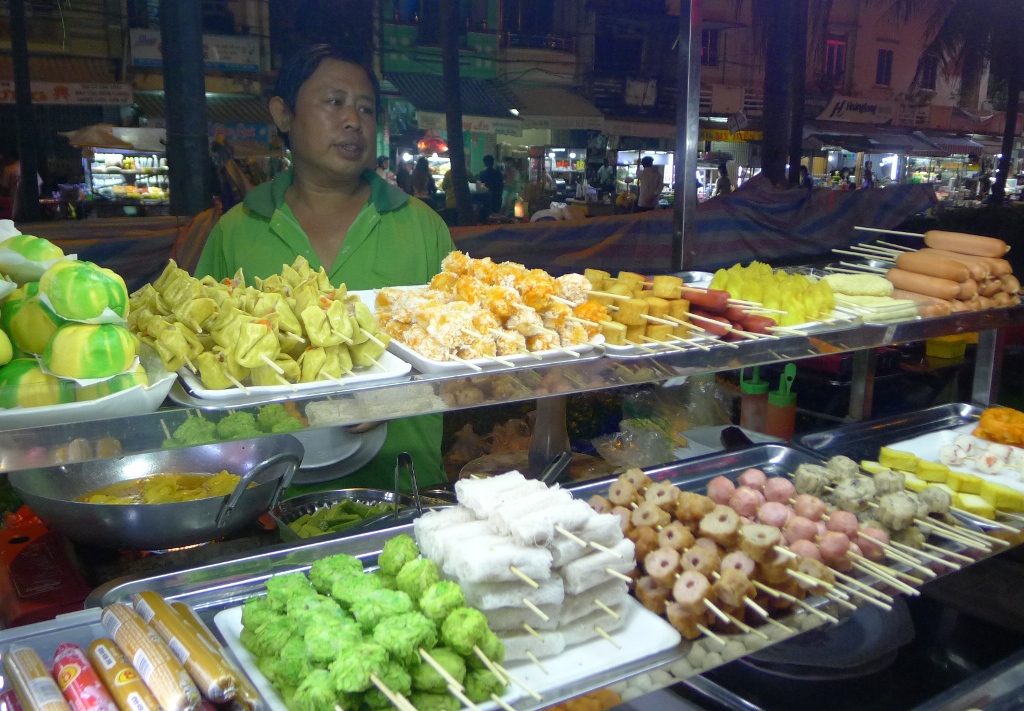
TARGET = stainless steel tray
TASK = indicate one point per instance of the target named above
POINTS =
(862, 440)
(291, 509)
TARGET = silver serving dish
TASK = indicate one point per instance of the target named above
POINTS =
(694, 277)
(292, 509)
(268, 464)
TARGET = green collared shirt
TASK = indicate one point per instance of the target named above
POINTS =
(395, 240)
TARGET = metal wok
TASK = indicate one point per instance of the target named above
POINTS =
(268, 463)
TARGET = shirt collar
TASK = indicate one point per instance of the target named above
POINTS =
(266, 198)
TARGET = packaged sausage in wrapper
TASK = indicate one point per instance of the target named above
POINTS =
(122, 681)
(31, 680)
(246, 696)
(8, 699)
(204, 663)
(156, 664)
(79, 682)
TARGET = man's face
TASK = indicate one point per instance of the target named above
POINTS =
(333, 129)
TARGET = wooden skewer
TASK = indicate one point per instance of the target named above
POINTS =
(471, 366)
(604, 549)
(951, 554)
(641, 347)
(399, 701)
(713, 609)
(452, 681)
(834, 597)
(286, 383)
(925, 555)
(795, 601)
(167, 432)
(763, 614)
(616, 574)
(571, 536)
(853, 582)
(491, 666)
(886, 578)
(457, 693)
(866, 598)
(271, 364)
(190, 365)
(688, 324)
(609, 611)
(867, 247)
(690, 342)
(840, 270)
(518, 683)
(993, 522)
(526, 578)
(536, 610)
(859, 254)
(967, 539)
(898, 247)
(534, 632)
(667, 344)
(744, 334)
(964, 531)
(597, 628)
(810, 579)
(373, 338)
(759, 309)
(234, 381)
(708, 633)
(888, 232)
(864, 268)
(914, 563)
(533, 658)
(501, 702)
(616, 297)
(892, 571)
(560, 300)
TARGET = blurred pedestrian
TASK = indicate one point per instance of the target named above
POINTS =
(423, 185)
(403, 179)
(650, 182)
(494, 181)
(383, 170)
(723, 186)
(806, 181)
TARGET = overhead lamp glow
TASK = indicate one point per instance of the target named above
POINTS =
(407, 157)
(514, 112)
(572, 155)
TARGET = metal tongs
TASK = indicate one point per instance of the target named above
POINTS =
(554, 469)
(405, 462)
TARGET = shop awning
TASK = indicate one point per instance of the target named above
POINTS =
(952, 144)
(219, 108)
(81, 81)
(79, 70)
(555, 108)
(869, 138)
(639, 129)
(486, 107)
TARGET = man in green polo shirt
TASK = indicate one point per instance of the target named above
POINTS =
(334, 210)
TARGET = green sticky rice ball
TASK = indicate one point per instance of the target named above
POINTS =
(348, 590)
(397, 552)
(273, 636)
(315, 693)
(396, 678)
(403, 635)
(492, 647)
(378, 605)
(464, 629)
(327, 640)
(435, 702)
(416, 576)
(282, 588)
(441, 599)
(312, 610)
(426, 678)
(326, 571)
(295, 663)
(481, 683)
(256, 612)
(351, 670)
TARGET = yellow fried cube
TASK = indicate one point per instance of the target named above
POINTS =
(635, 334)
(614, 333)
(668, 287)
(679, 309)
(659, 332)
(1002, 497)
(972, 503)
(932, 471)
(914, 484)
(964, 483)
(896, 459)
(632, 312)
(657, 307)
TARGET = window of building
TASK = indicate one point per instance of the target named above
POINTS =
(407, 12)
(835, 58)
(429, 22)
(474, 15)
(929, 72)
(529, 17)
(883, 72)
(709, 48)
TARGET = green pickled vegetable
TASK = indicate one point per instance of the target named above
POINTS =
(395, 677)
(435, 702)
(282, 588)
(327, 640)
(238, 425)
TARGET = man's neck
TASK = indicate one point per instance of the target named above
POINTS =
(326, 195)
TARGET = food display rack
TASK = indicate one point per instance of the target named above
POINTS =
(216, 586)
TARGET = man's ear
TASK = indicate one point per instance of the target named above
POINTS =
(281, 114)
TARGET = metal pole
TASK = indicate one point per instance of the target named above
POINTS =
(798, 90)
(684, 224)
(862, 388)
(988, 367)
(188, 147)
(26, 119)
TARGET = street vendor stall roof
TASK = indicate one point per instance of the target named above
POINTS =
(102, 135)
(869, 138)
(554, 107)
(479, 96)
(220, 108)
(952, 144)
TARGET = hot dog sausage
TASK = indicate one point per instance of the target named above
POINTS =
(986, 303)
(966, 243)
(968, 290)
(156, 664)
(9, 701)
(933, 265)
(1002, 300)
(736, 314)
(1010, 284)
(120, 678)
(977, 266)
(998, 267)
(734, 334)
(715, 325)
(959, 306)
(758, 324)
(926, 305)
(923, 284)
(78, 680)
(713, 300)
(972, 304)
(204, 664)
(990, 287)
(31, 680)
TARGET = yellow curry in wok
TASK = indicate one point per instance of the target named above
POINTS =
(164, 489)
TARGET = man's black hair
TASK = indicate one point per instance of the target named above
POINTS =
(647, 161)
(381, 160)
(299, 67)
(722, 168)
(489, 161)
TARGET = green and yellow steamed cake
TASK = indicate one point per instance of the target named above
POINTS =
(24, 258)
(88, 351)
(82, 291)
(24, 384)
(27, 320)
(114, 385)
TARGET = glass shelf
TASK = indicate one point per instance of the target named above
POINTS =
(37, 447)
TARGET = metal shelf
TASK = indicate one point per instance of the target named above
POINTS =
(424, 394)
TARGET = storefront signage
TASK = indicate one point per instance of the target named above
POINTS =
(72, 94)
(639, 129)
(722, 135)
(428, 120)
(565, 123)
(239, 134)
(846, 108)
(220, 52)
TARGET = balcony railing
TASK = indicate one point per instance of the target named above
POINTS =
(557, 43)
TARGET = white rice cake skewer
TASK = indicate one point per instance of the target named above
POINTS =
(503, 518)
(492, 596)
(517, 646)
(585, 628)
(429, 525)
(537, 528)
(455, 537)
(485, 505)
(611, 593)
(506, 619)
(602, 529)
(473, 493)
(592, 570)
(489, 559)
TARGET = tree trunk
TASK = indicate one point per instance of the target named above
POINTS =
(797, 90)
(778, 81)
(28, 148)
(449, 31)
(1013, 86)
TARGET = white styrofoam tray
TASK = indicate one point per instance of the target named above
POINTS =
(644, 634)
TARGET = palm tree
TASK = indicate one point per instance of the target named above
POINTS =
(969, 35)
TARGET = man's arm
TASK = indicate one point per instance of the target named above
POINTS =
(212, 261)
